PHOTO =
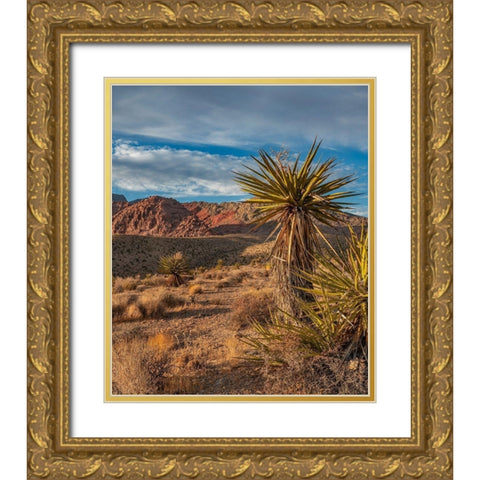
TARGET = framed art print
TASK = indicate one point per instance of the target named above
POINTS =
(239, 234)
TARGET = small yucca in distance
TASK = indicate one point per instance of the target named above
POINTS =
(295, 195)
(174, 265)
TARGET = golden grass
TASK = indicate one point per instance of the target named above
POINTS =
(253, 306)
(124, 284)
(151, 305)
(222, 284)
(201, 348)
(160, 343)
(154, 281)
(148, 303)
(234, 350)
(170, 300)
(130, 367)
(195, 289)
(133, 312)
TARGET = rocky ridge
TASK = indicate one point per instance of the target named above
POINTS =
(166, 217)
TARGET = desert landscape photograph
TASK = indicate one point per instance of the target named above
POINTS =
(240, 216)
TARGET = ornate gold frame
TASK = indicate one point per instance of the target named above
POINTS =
(53, 25)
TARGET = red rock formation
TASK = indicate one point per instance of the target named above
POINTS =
(158, 216)
(166, 217)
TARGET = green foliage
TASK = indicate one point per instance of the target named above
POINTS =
(294, 195)
(174, 265)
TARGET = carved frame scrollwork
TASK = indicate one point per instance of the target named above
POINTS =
(52, 26)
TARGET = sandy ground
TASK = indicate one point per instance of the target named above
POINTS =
(194, 347)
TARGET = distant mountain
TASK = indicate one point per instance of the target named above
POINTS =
(227, 217)
(157, 216)
(166, 217)
(118, 198)
(119, 202)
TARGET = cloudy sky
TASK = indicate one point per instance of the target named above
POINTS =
(184, 141)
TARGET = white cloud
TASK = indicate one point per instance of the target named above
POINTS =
(175, 172)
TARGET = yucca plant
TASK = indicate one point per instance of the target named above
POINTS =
(174, 265)
(336, 318)
(340, 288)
(295, 195)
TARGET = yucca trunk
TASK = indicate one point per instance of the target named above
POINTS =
(177, 279)
(291, 254)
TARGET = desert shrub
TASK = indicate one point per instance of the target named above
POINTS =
(235, 278)
(220, 264)
(253, 306)
(132, 364)
(170, 300)
(132, 313)
(119, 304)
(223, 283)
(233, 350)
(151, 305)
(154, 280)
(195, 289)
(161, 342)
(236, 265)
(124, 284)
(300, 374)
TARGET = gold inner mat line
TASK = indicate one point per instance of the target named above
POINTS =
(109, 83)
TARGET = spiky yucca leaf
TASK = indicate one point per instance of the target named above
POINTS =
(340, 288)
(294, 196)
(174, 265)
(337, 318)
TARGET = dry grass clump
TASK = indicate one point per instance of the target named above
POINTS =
(124, 284)
(151, 305)
(131, 366)
(319, 375)
(223, 283)
(234, 350)
(133, 312)
(154, 281)
(124, 308)
(170, 300)
(160, 343)
(237, 277)
(253, 306)
(195, 289)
